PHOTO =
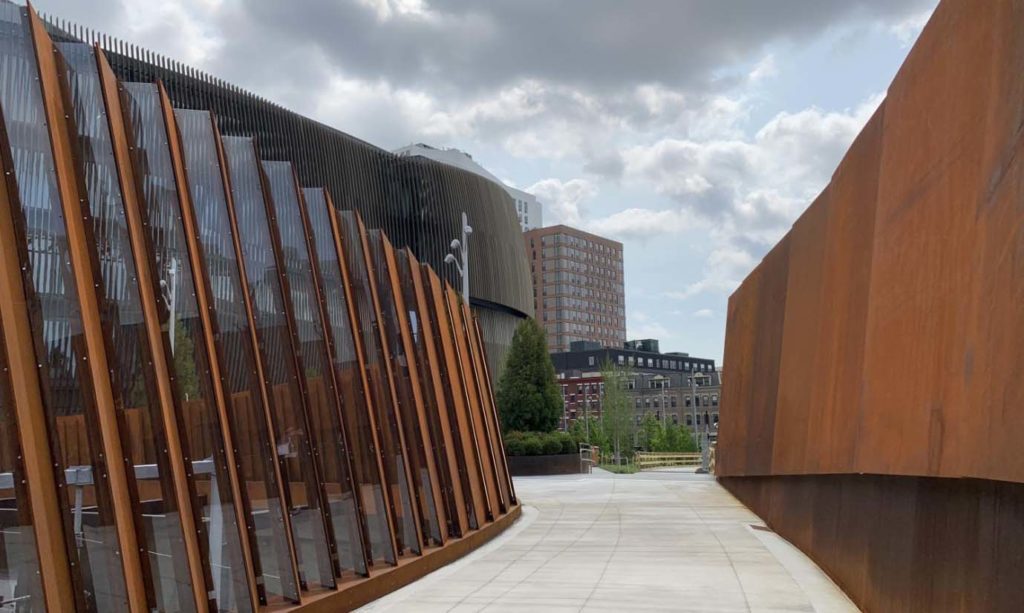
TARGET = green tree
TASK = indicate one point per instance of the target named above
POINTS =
(616, 408)
(528, 397)
(651, 433)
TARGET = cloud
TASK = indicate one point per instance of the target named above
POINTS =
(703, 313)
(563, 200)
(640, 325)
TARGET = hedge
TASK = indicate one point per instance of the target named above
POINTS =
(540, 443)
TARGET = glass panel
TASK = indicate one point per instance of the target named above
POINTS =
(349, 372)
(414, 439)
(20, 589)
(123, 320)
(253, 444)
(315, 364)
(203, 443)
(57, 325)
(279, 365)
(405, 271)
(394, 464)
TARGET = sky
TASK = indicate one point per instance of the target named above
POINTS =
(694, 132)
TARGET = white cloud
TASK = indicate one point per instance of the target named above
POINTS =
(764, 69)
(746, 191)
(563, 200)
(704, 313)
(907, 30)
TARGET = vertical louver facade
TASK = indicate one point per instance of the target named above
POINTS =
(219, 390)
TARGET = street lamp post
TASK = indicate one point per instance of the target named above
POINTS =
(462, 249)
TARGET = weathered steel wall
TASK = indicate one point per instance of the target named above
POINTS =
(884, 335)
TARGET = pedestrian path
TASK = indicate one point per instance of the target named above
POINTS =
(661, 541)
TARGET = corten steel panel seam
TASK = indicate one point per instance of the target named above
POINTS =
(483, 422)
(470, 463)
(184, 494)
(296, 347)
(72, 198)
(26, 388)
(448, 331)
(432, 369)
(336, 401)
(494, 418)
(357, 339)
(269, 414)
(473, 403)
(242, 507)
(415, 385)
(385, 352)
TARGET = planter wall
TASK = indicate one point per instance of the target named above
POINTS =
(537, 465)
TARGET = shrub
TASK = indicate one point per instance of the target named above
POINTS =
(514, 446)
(569, 444)
(551, 444)
(532, 446)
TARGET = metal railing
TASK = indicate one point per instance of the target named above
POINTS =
(646, 460)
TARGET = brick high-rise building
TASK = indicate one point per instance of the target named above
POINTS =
(578, 288)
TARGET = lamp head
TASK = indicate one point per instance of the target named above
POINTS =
(456, 244)
(449, 259)
(468, 229)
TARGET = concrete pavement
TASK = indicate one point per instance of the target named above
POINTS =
(659, 541)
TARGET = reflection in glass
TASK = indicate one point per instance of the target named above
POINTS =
(57, 324)
(417, 442)
(254, 447)
(182, 326)
(387, 416)
(348, 371)
(123, 320)
(279, 364)
(315, 363)
(406, 270)
(20, 589)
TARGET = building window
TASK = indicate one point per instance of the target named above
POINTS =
(689, 400)
(675, 419)
(673, 401)
(638, 403)
(689, 420)
(590, 361)
(714, 400)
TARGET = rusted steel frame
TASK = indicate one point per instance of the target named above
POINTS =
(314, 265)
(243, 508)
(26, 389)
(471, 456)
(487, 411)
(494, 419)
(279, 469)
(357, 341)
(385, 352)
(414, 383)
(87, 283)
(184, 493)
(473, 404)
(432, 369)
(319, 487)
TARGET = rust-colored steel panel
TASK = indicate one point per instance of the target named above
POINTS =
(472, 402)
(86, 279)
(457, 400)
(795, 417)
(770, 310)
(432, 368)
(27, 396)
(243, 507)
(836, 387)
(412, 370)
(184, 490)
(492, 414)
(737, 385)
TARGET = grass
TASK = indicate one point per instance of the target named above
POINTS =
(619, 469)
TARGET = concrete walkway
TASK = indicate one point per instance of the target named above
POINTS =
(659, 541)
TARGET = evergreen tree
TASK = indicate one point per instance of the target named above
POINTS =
(528, 397)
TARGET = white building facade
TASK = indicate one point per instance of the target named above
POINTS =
(529, 210)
